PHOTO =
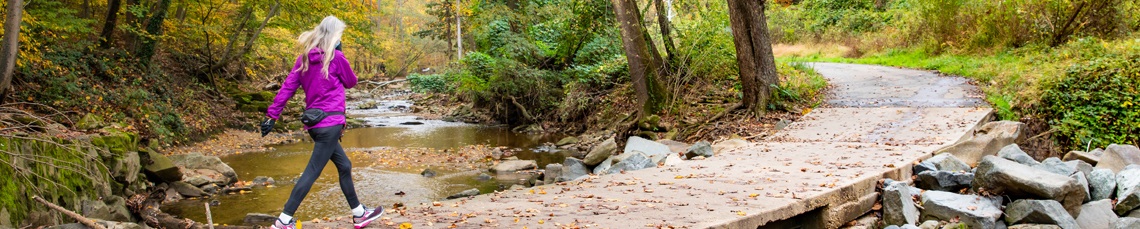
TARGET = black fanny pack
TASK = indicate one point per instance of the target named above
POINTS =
(312, 117)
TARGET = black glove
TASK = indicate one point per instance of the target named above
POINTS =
(267, 126)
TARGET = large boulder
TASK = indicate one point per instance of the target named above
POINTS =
(974, 211)
(111, 208)
(1001, 176)
(573, 169)
(601, 152)
(1039, 211)
(646, 146)
(464, 193)
(1096, 215)
(1102, 183)
(187, 190)
(1013, 152)
(1055, 165)
(1127, 184)
(514, 166)
(898, 205)
(551, 174)
(947, 162)
(635, 161)
(1082, 156)
(1116, 157)
(701, 148)
(199, 177)
(199, 161)
(986, 140)
(1126, 223)
(943, 180)
(159, 167)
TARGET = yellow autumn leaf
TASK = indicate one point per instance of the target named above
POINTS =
(402, 226)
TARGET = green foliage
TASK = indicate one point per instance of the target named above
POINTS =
(428, 83)
(1097, 101)
(799, 83)
(59, 172)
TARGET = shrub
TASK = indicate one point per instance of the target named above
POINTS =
(428, 83)
(1097, 101)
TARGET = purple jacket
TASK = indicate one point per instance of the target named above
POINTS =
(320, 93)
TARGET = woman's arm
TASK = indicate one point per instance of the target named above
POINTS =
(288, 88)
(344, 71)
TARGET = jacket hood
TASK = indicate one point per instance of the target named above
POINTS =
(316, 55)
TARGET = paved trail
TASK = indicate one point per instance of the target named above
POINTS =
(819, 172)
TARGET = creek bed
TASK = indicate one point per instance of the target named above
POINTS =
(376, 183)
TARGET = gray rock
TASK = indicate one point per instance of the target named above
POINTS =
(112, 208)
(263, 181)
(1127, 181)
(986, 140)
(483, 177)
(929, 224)
(259, 219)
(974, 211)
(891, 227)
(602, 167)
(1019, 181)
(1082, 167)
(497, 154)
(573, 169)
(658, 159)
(1054, 165)
(1116, 157)
(172, 196)
(551, 174)
(1082, 156)
(649, 148)
(601, 152)
(200, 177)
(1013, 152)
(187, 190)
(1035, 226)
(197, 180)
(923, 167)
(1084, 182)
(199, 161)
(673, 159)
(210, 188)
(1133, 214)
(944, 180)
(898, 205)
(674, 146)
(514, 166)
(104, 223)
(701, 148)
(635, 161)
(464, 193)
(1039, 211)
(947, 162)
(1096, 215)
(428, 173)
(1102, 183)
(1126, 223)
(1127, 202)
(159, 168)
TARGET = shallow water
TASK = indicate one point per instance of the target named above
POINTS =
(376, 184)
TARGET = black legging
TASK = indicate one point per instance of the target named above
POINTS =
(327, 148)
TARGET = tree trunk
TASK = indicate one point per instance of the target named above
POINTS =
(154, 29)
(226, 59)
(109, 23)
(10, 45)
(644, 68)
(666, 32)
(753, 52)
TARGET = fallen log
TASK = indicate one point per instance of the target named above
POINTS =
(82, 220)
(151, 213)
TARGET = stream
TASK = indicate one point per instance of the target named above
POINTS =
(376, 183)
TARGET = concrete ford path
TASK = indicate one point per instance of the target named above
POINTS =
(819, 172)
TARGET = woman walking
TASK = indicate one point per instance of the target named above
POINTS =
(323, 72)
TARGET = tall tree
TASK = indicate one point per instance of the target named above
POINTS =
(645, 65)
(153, 30)
(666, 31)
(109, 23)
(753, 52)
(10, 44)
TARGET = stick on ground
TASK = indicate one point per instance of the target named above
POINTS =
(82, 220)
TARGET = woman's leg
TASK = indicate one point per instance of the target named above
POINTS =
(326, 144)
(344, 170)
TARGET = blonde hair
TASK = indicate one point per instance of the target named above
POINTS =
(325, 37)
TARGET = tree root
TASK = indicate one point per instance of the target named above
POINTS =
(522, 109)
